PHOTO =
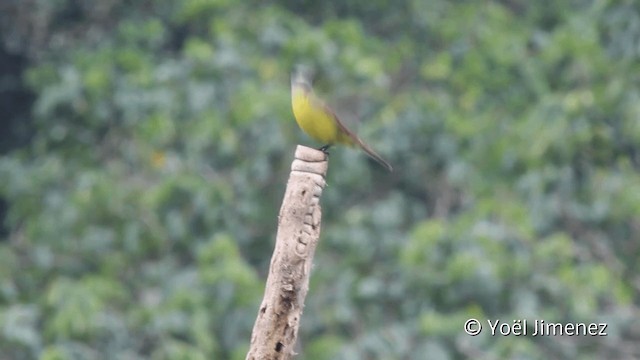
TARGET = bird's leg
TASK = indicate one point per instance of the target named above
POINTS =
(325, 149)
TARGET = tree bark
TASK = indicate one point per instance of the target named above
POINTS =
(276, 328)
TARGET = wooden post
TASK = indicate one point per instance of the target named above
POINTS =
(276, 328)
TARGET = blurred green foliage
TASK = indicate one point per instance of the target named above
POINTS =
(142, 213)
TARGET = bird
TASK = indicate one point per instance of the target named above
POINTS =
(321, 123)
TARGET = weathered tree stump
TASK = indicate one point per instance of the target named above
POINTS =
(276, 328)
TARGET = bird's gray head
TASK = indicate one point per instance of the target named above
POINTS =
(301, 77)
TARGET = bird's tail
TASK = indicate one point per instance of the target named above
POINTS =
(345, 136)
(374, 155)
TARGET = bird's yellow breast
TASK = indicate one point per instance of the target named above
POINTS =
(313, 119)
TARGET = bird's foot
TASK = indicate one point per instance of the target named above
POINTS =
(325, 149)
